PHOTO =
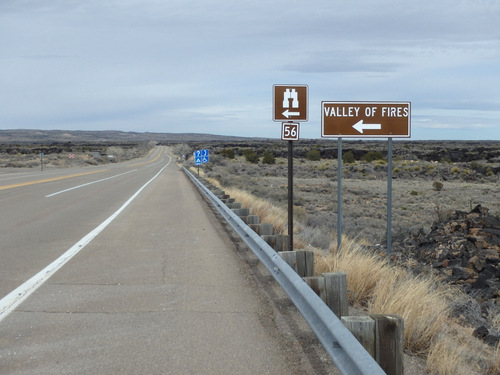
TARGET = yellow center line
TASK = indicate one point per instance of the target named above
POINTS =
(50, 179)
(146, 162)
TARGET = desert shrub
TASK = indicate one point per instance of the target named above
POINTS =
(318, 237)
(116, 152)
(476, 166)
(348, 157)
(299, 213)
(322, 167)
(228, 153)
(268, 157)
(251, 156)
(445, 160)
(372, 156)
(181, 149)
(414, 192)
(217, 160)
(313, 155)
(441, 213)
(455, 170)
(438, 186)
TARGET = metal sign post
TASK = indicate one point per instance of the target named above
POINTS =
(339, 195)
(389, 198)
(290, 194)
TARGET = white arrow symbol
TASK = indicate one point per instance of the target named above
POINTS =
(287, 113)
(359, 126)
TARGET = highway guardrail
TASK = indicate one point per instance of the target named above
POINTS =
(346, 352)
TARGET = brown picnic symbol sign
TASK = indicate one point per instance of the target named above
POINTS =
(366, 119)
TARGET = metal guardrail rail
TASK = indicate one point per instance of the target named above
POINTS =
(346, 352)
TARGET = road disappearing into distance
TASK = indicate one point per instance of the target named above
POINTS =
(123, 268)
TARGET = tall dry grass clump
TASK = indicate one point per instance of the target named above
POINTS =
(455, 352)
(267, 212)
(423, 303)
(386, 289)
(420, 301)
(369, 268)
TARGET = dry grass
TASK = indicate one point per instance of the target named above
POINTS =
(387, 289)
(370, 268)
(418, 300)
(446, 357)
(267, 212)
(421, 301)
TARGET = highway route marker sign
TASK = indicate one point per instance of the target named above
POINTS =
(290, 103)
(290, 131)
(365, 119)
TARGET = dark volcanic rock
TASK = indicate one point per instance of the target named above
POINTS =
(465, 250)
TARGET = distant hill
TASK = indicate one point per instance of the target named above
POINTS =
(106, 136)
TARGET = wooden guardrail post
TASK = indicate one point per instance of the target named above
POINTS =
(241, 212)
(336, 293)
(363, 328)
(282, 242)
(266, 229)
(317, 284)
(389, 344)
(305, 263)
(252, 219)
(234, 204)
(301, 261)
(290, 257)
(270, 239)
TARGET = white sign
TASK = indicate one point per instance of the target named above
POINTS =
(290, 131)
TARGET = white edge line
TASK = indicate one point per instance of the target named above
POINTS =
(22, 292)
(88, 183)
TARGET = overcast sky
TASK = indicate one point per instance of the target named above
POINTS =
(209, 66)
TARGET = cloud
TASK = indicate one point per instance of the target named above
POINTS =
(154, 65)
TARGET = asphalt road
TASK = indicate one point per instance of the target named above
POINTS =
(137, 278)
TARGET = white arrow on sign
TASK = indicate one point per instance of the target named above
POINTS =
(360, 127)
(287, 113)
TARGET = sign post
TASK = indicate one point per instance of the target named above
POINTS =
(290, 105)
(366, 120)
(200, 157)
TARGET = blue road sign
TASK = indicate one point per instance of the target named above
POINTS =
(201, 156)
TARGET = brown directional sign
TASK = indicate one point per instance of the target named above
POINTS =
(365, 119)
(290, 103)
